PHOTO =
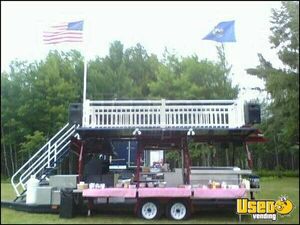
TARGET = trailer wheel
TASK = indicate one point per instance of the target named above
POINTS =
(149, 210)
(178, 210)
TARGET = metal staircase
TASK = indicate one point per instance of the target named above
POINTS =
(45, 160)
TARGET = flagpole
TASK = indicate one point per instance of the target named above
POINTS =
(85, 55)
(84, 77)
(223, 49)
(85, 62)
(224, 56)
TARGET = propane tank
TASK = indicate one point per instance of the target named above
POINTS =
(32, 185)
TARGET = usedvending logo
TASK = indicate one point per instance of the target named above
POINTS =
(264, 209)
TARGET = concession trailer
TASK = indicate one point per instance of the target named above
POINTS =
(120, 150)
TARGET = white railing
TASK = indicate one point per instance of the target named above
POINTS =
(163, 114)
(43, 158)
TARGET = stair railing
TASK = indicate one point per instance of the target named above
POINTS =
(45, 154)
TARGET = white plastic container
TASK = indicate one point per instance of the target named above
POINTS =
(32, 184)
(246, 183)
(223, 185)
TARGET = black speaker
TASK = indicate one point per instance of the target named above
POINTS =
(254, 181)
(252, 113)
(66, 203)
(75, 113)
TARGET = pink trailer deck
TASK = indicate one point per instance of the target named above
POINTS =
(195, 193)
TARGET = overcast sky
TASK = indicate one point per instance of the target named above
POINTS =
(179, 26)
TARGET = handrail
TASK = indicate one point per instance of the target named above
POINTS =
(42, 157)
(134, 102)
(33, 165)
(41, 168)
(41, 149)
(163, 113)
(53, 145)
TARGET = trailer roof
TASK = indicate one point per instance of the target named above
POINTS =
(248, 134)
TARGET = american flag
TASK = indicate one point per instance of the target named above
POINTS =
(64, 32)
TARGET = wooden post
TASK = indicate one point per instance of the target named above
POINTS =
(80, 161)
(138, 162)
(186, 161)
(249, 156)
(233, 155)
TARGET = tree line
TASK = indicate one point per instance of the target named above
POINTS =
(35, 95)
(281, 117)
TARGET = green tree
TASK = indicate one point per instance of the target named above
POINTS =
(282, 125)
(35, 97)
(108, 77)
(32, 142)
(190, 78)
(141, 69)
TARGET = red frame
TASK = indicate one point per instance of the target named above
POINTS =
(173, 141)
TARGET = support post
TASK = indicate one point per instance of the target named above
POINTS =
(233, 155)
(232, 147)
(249, 156)
(138, 162)
(250, 165)
(129, 148)
(163, 113)
(186, 160)
(80, 162)
(182, 163)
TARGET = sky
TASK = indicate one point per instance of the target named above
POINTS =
(177, 26)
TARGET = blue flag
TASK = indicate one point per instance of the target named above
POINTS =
(223, 32)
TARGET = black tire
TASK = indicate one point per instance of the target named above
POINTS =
(178, 210)
(149, 210)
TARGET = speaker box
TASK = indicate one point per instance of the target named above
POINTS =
(252, 113)
(75, 113)
(66, 203)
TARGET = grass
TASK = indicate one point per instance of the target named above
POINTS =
(271, 188)
(277, 173)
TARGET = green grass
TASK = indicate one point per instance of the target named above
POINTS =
(271, 188)
(276, 173)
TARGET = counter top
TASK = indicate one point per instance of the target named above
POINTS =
(232, 172)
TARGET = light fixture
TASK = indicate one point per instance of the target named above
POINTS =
(137, 132)
(191, 132)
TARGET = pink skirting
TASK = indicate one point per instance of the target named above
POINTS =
(110, 192)
(219, 193)
(164, 192)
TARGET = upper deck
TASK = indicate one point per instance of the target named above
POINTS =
(161, 114)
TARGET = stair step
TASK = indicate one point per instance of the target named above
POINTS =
(50, 168)
(21, 197)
